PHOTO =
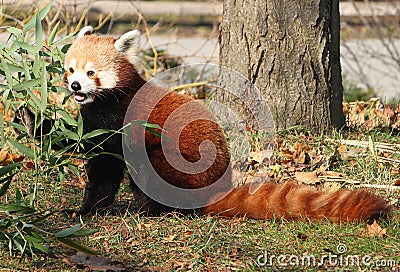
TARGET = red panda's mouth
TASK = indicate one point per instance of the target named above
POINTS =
(80, 97)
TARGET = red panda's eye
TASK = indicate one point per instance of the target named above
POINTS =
(90, 73)
(71, 70)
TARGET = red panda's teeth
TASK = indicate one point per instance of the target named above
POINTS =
(80, 97)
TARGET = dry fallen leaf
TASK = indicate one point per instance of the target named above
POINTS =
(342, 148)
(3, 154)
(99, 263)
(307, 177)
(261, 156)
(332, 186)
(371, 114)
(302, 157)
(375, 230)
(170, 238)
(287, 153)
(301, 147)
(143, 226)
(6, 157)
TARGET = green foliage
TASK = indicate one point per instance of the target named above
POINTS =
(29, 72)
(352, 92)
(18, 225)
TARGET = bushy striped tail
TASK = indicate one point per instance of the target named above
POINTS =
(293, 201)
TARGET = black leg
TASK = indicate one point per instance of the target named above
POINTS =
(144, 204)
(105, 173)
(24, 116)
(142, 201)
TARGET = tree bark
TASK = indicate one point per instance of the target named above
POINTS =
(289, 50)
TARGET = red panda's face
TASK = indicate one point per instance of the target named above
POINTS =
(92, 64)
(85, 82)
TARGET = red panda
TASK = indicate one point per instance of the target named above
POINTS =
(100, 73)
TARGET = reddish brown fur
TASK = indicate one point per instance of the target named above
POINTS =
(97, 46)
(288, 200)
(188, 140)
(292, 201)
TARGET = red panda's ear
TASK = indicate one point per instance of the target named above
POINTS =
(128, 45)
(87, 30)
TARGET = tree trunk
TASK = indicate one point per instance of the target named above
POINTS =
(289, 50)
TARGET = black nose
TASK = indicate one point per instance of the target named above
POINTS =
(76, 86)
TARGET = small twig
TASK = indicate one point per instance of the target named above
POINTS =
(379, 186)
(394, 148)
(190, 85)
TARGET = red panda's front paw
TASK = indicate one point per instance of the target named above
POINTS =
(74, 213)
(26, 118)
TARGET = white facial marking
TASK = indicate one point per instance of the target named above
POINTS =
(89, 66)
(72, 65)
(88, 87)
(108, 79)
(85, 95)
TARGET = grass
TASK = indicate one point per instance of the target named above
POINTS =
(209, 243)
(198, 243)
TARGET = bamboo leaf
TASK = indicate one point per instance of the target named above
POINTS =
(7, 102)
(67, 232)
(74, 169)
(27, 84)
(4, 188)
(76, 246)
(117, 156)
(26, 70)
(38, 33)
(19, 127)
(14, 68)
(15, 31)
(63, 40)
(145, 124)
(53, 33)
(67, 118)
(8, 73)
(152, 128)
(22, 148)
(80, 126)
(63, 150)
(36, 65)
(18, 245)
(8, 168)
(70, 134)
(83, 233)
(30, 48)
(41, 247)
(34, 103)
(16, 208)
(41, 14)
(2, 141)
(44, 93)
(95, 133)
